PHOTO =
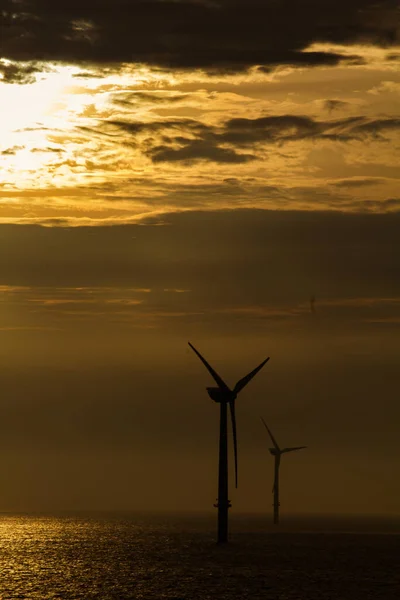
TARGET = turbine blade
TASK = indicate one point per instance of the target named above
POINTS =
(292, 449)
(233, 418)
(220, 382)
(245, 380)
(273, 440)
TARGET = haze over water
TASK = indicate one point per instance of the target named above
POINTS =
(152, 556)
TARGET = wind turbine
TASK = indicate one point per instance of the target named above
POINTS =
(277, 453)
(224, 396)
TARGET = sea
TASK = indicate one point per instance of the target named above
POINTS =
(121, 556)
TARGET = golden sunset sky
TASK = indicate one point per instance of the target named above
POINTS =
(175, 170)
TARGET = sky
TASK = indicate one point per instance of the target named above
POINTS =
(223, 172)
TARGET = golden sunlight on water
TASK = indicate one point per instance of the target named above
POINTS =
(155, 557)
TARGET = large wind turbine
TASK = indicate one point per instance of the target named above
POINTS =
(277, 453)
(224, 396)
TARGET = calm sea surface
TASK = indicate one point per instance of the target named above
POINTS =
(156, 557)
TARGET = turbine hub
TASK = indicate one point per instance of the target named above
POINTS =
(217, 394)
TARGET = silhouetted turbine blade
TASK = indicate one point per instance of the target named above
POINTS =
(292, 449)
(273, 440)
(221, 383)
(245, 380)
(233, 419)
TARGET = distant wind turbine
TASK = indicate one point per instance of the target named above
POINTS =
(277, 453)
(224, 396)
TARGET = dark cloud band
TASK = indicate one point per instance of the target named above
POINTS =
(225, 35)
(190, 140)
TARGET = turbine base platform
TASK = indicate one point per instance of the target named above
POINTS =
(217, 505)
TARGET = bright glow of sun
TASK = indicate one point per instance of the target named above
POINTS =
(40, 138)
(27, 104)
(28, 112)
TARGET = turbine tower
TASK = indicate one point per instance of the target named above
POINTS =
(277, 453)
(224, 396)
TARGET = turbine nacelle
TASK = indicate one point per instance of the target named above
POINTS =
(220, 395)
(276, 450)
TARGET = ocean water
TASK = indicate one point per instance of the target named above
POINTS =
(129, 556)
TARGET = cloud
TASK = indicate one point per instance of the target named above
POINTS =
(270, 129)
(113, 165)
(48, 149)
(152, 98)
(185, 140)
(118, 202)
(294, 128)
(20, 72)
(190, 140)
(389, 205)
(376, 127)
(234, 256)
(331, 105)
(358, 182)
(11, 151)
(198, 150)
(228, 35)
(62, 304)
